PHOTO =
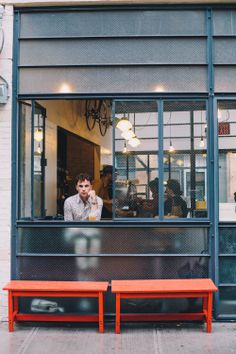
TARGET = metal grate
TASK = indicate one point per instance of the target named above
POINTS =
(227, 240)
(113, 240)
(113, 51)
(112, 23)
(110, 80)
(224, 22)
(225, 51)
(108, 268)
(227, 270)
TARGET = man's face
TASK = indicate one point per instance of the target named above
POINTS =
(83, 188)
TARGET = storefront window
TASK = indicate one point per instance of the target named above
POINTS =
(60, 139)
(136, 155)
(227, 160)
(185, 167)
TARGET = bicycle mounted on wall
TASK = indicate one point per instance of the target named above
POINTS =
(98, 111)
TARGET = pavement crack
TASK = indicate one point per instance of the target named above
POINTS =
(24, 346)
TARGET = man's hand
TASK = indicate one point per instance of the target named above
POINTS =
(92, 195)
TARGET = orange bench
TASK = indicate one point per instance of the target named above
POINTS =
(165, 288)
(28, 288)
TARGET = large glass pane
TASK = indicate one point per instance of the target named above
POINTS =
(228, 300)
(136, 159)
(39, 161)
(25, 160)
(185, 148)
(227, 159)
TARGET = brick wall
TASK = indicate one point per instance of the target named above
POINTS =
(5, 158)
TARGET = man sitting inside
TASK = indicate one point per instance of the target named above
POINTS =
(85, 205)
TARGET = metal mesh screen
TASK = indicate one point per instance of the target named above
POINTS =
(225, 79)
(227, 240)
(224, 22)
(225, 51)
(118, 240)
(227, 304)
(108, 268)
(227, 270)
(112, 23)
(109, 80)
(128, 51)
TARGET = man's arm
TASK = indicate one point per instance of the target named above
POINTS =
(68, 215)
(96, 205)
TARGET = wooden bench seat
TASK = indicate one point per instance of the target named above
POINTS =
(165, 288)
(28, 288)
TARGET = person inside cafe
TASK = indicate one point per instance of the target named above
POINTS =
(85, 205)
(103, 189)
(175, 205)
(149, 208)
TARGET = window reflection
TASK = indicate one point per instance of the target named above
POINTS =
(227, 159)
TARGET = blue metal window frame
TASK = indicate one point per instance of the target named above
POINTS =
(160, 110)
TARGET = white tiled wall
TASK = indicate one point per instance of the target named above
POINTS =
(5, 158)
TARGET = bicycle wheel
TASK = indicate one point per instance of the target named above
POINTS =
(104, 120)
(89, 114)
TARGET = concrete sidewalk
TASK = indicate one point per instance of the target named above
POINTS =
(139, 338)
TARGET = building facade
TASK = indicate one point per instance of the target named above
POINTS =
(73, 74)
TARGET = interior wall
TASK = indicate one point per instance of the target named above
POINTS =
(69, 115)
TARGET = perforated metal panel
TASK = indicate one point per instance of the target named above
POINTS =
(227, 240)
(225, 51)
(112, 23)
(224, 22)
(97, 41)
(227, 270)
(227, 304)
(225, 79)
(108, 268)
(113, 51)
(118, 240)
(110, 80)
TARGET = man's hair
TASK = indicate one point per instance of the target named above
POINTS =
(154, 184)
(174, 185)
(82, 177)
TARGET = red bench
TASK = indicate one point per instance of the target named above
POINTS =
(165, 288)
(28, 288)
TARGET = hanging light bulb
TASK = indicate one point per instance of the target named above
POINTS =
(125, 150)
(124, 124)
(202, 143)
(38, 135)
(128, 134)
(171, 147)
(134, 142)
(39, 149)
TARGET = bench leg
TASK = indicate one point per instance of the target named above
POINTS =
(209, 312)
(100, 312)
(10, 312)
(117, 313)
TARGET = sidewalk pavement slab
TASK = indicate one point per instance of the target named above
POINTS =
(141, 338)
